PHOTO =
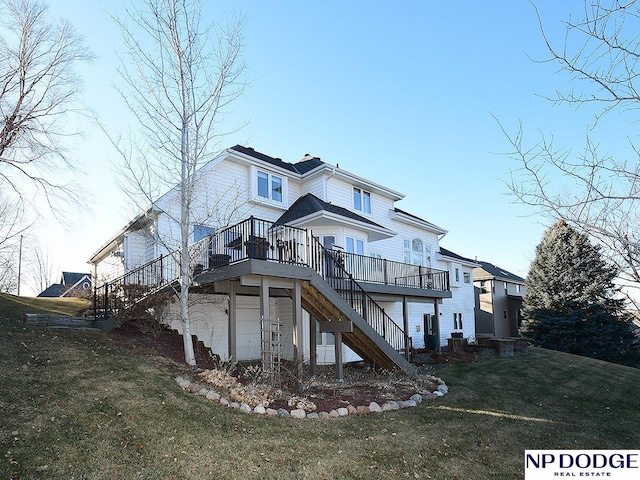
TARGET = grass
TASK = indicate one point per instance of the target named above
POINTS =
(75, 406)
(14, 307)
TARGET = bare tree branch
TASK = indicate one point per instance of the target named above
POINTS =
(38, 91)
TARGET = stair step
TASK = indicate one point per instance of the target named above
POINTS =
(57, 321)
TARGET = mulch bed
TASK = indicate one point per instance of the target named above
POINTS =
(360, 387)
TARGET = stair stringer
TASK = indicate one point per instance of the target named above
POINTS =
(364, 340)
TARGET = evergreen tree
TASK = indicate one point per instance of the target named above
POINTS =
(572, 304)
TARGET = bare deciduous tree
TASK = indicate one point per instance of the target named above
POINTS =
(598, 194)
(178, 78)
(42, 270)
(12, 226)
(38, 90)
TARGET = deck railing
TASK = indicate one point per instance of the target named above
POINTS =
(260, 239)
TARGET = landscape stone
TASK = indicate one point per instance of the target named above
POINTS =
(443, 389)
(235, 405)
(272, 412)
(342, 412)
(213, 395)
(438, 393)
(323, 416)
(313, 416)
(416, 398)
(260, 410)
(394, 405)
(193, 387)
(362, 410)
(374, 408)
(224, 401)
(410, 403)
(203, 391)
(352, 410)
(298, 413)
(283, 412)
(245, 408)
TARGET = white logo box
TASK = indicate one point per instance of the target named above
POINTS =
(603, 464)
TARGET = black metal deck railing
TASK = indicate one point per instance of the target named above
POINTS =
(260, 239)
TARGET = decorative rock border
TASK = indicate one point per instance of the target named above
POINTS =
(299, 413)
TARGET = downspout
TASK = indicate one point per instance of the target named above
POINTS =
(326, 190)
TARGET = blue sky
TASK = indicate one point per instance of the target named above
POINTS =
(402, 93)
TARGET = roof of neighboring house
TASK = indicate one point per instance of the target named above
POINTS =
(497, 272)
(448, 253)
(71, 278)
(302, 167)
(309, 203)
(54, 290)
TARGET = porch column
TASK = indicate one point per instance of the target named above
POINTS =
(264, 317)
(313, 346)
(232, 330)
(298, 347)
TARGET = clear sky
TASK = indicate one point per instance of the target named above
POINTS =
(399, 92)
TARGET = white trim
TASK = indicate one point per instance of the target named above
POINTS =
(409, 220)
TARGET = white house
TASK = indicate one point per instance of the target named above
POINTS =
(294, 256)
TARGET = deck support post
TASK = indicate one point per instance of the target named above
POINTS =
(313, 346)
(405, 326)
(339, 361)
(298, 347)
(436, 323)
(232, 329)
(264, 317)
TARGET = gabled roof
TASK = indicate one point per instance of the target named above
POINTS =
(493, 271)
(302, 167)
(71, 278)
(449, 254)
(412, 219)
(54, 290)
(309, 204)
(309, 211)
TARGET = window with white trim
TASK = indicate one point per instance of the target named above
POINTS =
(416, 252)
(361, 200)
(270, 187)
(457, 321)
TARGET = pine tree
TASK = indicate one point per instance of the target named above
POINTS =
(572, 304)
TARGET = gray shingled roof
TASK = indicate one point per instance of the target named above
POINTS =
(450, 254)
(300, 168)
(498, 272)
(309, 203)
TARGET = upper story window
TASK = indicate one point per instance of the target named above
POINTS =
(416, 252)
(270, 187)
(467, 277)
(361, 200)
(518, 289)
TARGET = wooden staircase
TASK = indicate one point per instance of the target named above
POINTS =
(322, 302)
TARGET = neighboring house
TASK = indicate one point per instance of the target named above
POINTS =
(499, 295)
(72, 284)
(319, 254)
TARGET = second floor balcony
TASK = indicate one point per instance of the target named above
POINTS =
(263, 240)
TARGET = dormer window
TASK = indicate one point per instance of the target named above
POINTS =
(270, 187)
(361, 200)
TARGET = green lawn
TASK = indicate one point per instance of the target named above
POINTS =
(75, 406)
